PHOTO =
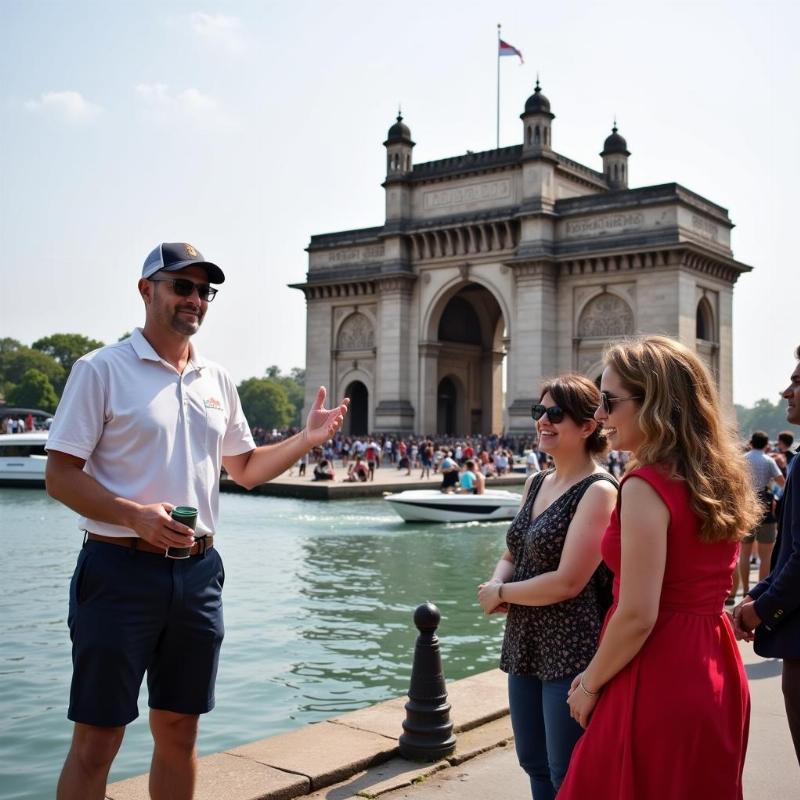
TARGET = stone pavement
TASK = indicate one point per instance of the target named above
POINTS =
(355, 755)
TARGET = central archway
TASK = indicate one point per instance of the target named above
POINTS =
(470, 334)
(356, 421)
(446, 407)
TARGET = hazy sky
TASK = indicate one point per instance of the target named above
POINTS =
(246, 127)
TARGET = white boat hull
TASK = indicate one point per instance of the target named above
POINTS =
(431, 505)
(23, 459)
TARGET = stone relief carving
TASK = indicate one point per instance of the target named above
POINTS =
(356, 333)
(605, 316)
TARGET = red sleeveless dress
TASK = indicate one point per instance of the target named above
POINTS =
(673, 724)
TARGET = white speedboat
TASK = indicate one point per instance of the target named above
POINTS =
(431, 505)
(23, 459)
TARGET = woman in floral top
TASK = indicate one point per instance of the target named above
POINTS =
(550, 581)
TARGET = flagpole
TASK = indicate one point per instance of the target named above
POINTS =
(498, 85)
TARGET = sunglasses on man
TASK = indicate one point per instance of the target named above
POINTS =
(183, 287)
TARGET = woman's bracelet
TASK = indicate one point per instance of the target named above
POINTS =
(585, 690)
(500, 592)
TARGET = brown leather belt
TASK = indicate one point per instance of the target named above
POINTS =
(201, 544)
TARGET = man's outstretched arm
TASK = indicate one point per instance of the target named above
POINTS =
(264, 463)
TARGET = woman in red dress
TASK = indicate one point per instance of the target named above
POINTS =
(665, 701)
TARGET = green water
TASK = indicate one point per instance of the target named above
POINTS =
(318, 604)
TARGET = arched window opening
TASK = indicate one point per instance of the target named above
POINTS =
(704, 321)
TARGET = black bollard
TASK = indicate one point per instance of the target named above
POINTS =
(427, 729)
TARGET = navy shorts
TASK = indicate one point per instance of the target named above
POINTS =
(133, 612)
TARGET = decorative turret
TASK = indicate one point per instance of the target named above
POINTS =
(615, 160)
(398, 146)
(536, 121)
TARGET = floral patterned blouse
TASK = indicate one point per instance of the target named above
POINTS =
(558, 640)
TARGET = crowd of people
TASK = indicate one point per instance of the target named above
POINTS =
(23, 424)
(360, 456)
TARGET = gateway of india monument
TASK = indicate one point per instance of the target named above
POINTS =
(515, 260)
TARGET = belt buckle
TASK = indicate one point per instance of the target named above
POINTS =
(178, 553)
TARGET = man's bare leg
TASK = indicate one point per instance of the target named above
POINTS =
(764, 559)
(90, 756)
(174, 767)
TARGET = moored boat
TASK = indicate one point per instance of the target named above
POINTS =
(431, 505)
(23, 459)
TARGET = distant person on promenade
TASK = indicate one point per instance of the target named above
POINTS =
(449, 470)
(532, 462)
(426, 459)
(358, 471)
(665, 697)
(323, 471)
(772, 608)
(784, 446)
(145, 425)
(550, 580)
(764, 471)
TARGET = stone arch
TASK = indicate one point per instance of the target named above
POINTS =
(356, 332)
(464, 329)
(606, 315)
(347, 382)
(435, 308)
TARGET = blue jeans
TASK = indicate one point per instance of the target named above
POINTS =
(544, 732)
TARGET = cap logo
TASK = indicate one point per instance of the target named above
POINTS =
(190, 251)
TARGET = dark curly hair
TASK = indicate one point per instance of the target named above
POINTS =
(579, 399)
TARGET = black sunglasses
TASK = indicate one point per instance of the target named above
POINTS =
(554, 413)
(183, 287)
(607, 400)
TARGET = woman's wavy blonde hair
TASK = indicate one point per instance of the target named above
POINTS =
(680, 418)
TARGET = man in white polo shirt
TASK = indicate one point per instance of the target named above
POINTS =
(145, 425)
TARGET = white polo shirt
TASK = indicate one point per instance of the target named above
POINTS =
(148, 433)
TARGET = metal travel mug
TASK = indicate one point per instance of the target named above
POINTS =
(188, 516)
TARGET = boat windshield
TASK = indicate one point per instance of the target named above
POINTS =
(21, 450)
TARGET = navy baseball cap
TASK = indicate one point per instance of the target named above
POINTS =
(172, 256)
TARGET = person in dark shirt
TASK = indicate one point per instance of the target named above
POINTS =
(770, 612)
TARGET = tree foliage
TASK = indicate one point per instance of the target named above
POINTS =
(294, 386)
(265, 403)
(34, 391)
(765, 416)
(16, 359)
(66, 349)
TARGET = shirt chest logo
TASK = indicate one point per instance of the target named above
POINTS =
(213, 403)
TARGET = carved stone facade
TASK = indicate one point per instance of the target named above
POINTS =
(356, 333)
(494, 270)
(606, 316)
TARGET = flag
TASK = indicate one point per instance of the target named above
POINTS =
(507, 50)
